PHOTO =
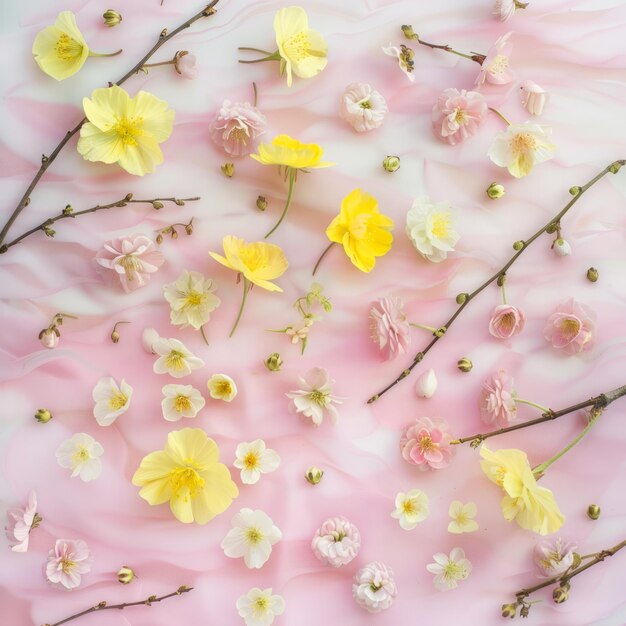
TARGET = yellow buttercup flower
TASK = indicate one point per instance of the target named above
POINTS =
(531, 506)
(189, 475)
(361, 229)
(125, 130)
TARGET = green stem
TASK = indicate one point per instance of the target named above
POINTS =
(170, 62)
(292, 180)
(257, 50)
(104, 54)
(330, 245)
(503, 294)
(246, 288)
(274, 56)
(255, 93)
(204, 335)
(499, 115)
(431, 329)
(543, 409)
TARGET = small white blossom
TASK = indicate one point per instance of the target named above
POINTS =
(448, 570)
(181, 401)
(462, 517)
(111, 400)
(411, 508)
(315, 396)
(192, 299)
(430, 228)
(174, 358)
(259, 607)
(81, 453)
(222, 387)
(254, 459)
(426, 384)
(404, 54)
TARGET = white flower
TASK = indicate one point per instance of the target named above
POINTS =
(426, 384)
(520, 146)
(191, 299)
(315, 396)
(374, 588)
(534, 98)
(254, 459)
(411, 508)
(81, 453)
(222, 387)
(252, 536)
(174, 358)
(111, 400)
(462, 518)
(363, 107)
(430, 228)
(181, 401)
(404, 55)
(148, 338)
(504, 9)
(561, 247)
(259, 607)
(448, 570)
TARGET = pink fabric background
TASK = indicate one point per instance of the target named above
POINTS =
(574, 49)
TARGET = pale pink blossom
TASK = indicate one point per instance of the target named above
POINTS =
(506, 321)
(21, 521)
(315, 396)
(131, 260)
(374, 588)
(570, 328)
(336, 541)
(186, 66)
(497, 402)
(495, 67)
(504, 9)
(533, 97)
(458, 114)
(236, 127)
(363, 107)
(553, 557)
(67, 562)
(49, 338)
(426, 443)
(389, 326)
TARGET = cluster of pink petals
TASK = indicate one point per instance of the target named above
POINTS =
(236, 127)
(389, 326)
(67, 562)
(506, 321)
(553, 557)
(497, 404)
(363, 107)
(495, 67)
(20, 522)
(130, 260)
(570, 328)
(426, 443)
(458, 114)
(336, 541)
(374, 588)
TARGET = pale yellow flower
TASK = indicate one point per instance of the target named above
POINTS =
(125, 130)
(192, 299)
(462, 517)
(222, 387)
(287, 151)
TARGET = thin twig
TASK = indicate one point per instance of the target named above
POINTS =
(46, 161)
(520, 247)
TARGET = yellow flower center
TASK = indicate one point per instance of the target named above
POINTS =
(570, 327)
(523, 142)
(254, 535)
(261, 604)
(194, 298)
(426, 443)
(182, 403)
(252, 257)
(498, 65)
(68, 49)
(175, 360)
(338, 536)
(67, 565)
(251, 460)
(129, 129)
(358, 227)
(441, 225)
(499, 473)
(365, 104)
(452, 571)
(131, 265)
(187, 479)
(461, 519)
(80, 456)
(507, 322)
(223, 388)
(298, 47)
(240, 135)
(460, 116)
(408, 506)
(318, 397)
(117, 401)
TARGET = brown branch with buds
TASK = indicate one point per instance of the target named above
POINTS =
(103, 606)
(463, 299)
(68, 212)
(172, 232)
(407, 29)
(46, 161)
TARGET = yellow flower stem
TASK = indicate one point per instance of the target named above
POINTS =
(430, 329)
(246, 288)
(543, 409)
(499, 115)
(255, 93)
(503, 294)
(104, 54)
(256, 50)
(330, 245)
(271, 56)
(292, 180)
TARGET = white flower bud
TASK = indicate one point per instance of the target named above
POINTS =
(562, 248)
(534, 98)
(148, 339)
(426, 384)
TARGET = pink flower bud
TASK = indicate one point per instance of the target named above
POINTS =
(426, 384)
(562, 247)
(534, 98)
(186, 66)
(49, 338)
(506, 321)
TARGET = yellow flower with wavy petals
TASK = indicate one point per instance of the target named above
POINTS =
(188, 474)
(289, 152)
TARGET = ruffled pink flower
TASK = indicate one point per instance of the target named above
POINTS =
(389, 326)
(506, 321)
(570, 328)
(495, 67)
(67, 561)
(186, 66)
(363, 107)
(131, 260)
(496, 403)
(236, 127)
(426, 443)
(336, 541)
(374, 588)
(553, 557)
(458, 114)
(21, 521)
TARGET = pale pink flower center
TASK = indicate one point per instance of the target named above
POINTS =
(507, 322)
(498, 65)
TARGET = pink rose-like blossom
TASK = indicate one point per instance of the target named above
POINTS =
(336, 542)
(374, 588)
(570, 328)
(506, 321)
(497, 404)
(533, 97)
(21, 521)
(495, 67)
(236, 127)
(363, 107)
(131, 260)
(67, 562)
(426, 443)
(553, 557)
(458, 114)
(389, 326)
(186, 66)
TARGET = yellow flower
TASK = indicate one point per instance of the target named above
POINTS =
(61, 50)
(125, 130)
(302, 51)
(284, 150)
(189, 475)
(531, 506)
(361, 229)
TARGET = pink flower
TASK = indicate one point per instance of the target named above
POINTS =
(495, 67)
(49, 338)
(458, 114)
(570, 328)
(506, 321)
(237, 126)
(363, 107)
(389, 326)
(186, 65)
(533, 97)
(21, 521)
(336, 541)
(504, 9)
(553, 556)
(67, 561)
(426, 443)
(374, 588)
(497, 404)
(132, 259)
